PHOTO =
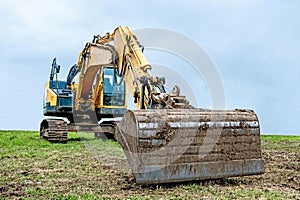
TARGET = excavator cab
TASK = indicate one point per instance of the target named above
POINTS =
(112, 99)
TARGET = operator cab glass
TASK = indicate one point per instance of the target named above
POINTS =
(113, 89)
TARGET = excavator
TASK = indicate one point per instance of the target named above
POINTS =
(165, 139)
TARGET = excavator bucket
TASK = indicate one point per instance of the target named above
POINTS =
(173, 145)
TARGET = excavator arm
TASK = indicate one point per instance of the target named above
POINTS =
(168, 140)
(90, 60)
(147, 91)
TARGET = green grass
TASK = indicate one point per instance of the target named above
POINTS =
(280, 138)
(86, 168)
(281, 142)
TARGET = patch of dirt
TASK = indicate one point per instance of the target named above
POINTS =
(12, 189)
(165, 133)
(282, 174)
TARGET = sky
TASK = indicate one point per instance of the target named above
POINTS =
(254, 44)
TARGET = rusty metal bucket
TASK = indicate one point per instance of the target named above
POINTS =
(173, 145)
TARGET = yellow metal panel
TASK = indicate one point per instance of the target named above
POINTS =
(51, 97)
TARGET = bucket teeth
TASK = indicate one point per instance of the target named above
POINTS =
(190, 144)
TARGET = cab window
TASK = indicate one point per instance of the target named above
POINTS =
(114, 90)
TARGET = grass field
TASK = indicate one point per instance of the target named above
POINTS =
(86, 168)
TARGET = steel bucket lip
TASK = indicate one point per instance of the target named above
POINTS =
(172, 174)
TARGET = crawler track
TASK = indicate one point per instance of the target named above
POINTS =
(54, 130)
